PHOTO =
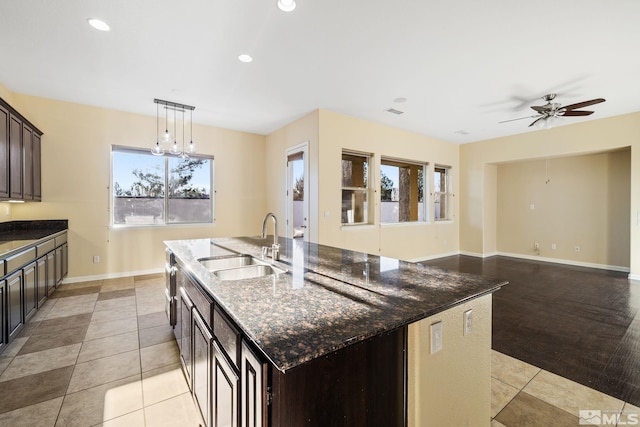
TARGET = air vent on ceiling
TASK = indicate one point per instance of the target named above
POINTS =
(394, 111)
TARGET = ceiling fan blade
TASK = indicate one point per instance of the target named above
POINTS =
(537, 120)
(576, 113)
(583, 104)
(520, 118)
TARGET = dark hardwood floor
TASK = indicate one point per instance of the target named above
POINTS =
(579, 323)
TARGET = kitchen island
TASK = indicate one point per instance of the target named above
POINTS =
(336, 338)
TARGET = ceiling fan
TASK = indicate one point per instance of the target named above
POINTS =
(551, 110)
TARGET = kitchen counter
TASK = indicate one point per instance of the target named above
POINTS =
(328, 299)
(16, 236)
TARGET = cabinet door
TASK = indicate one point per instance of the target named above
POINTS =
(30, 290)
(37, 167)
(15, 157)
(4, 153)
(51, 272)
(185, 342)
(41, 278)
(65, 260)
(202, 345)
(27, 163)
(59, 263)
(3, 297)
(14, 303)
(225, 391)
(253, 389)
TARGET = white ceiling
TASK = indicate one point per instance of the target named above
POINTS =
(462, 65)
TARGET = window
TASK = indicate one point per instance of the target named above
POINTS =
(441, 192)
(355, 188)
(152, 190)
(401, 191)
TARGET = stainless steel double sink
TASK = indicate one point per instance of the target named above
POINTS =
(238, 267)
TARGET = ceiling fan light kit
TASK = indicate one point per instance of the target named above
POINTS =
(548, 114)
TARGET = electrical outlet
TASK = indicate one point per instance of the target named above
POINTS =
(96, 259)
(436, 337)
(536, 245)
(468, 322)
(553, 246)
(577, 248)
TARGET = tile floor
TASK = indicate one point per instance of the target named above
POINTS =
(97, 354)
(101, 354)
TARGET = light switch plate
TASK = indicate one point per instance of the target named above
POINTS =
(436, 337)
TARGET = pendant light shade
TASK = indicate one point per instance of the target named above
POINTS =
(169, 139)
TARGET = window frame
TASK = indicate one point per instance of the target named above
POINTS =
(425, 188)
(166, 198)
(447, 194)
(367, 190)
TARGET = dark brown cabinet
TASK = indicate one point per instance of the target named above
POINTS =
(41, 278)
(14, 304)
(30, 290)
(4, 153)
(201, 378)
(20, 156)
(254, 389)
(225, 390)
(3, 304)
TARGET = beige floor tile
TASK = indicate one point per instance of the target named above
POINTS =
(118, 293)
(73, 305)
(108, 328)
(134, 419)
(152, 319)
(568, 395)
(105, 370)
(156, 335)
(117, 284)
(528, 411)
(511, 371)
(630, 415)
(111, 304)
(44, 310)
(39, 415)
(178, 411)
(159, 355)
(79, 285)
(14, 348)
(62, 337)
(102, 403)
(163, 383)
(501, 395)
(150, 307)
(41, 361)
(21, 392)
(108, 346)
(495, 423)
(4, 362)
(116, 313)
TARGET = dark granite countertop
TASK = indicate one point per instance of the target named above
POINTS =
(18, 235)
(328, 299)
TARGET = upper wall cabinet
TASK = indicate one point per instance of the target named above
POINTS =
(20, 156)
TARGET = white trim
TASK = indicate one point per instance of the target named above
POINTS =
(476, 254)
(634, 276)
(111, 276)
(432, 257)
(566, 261)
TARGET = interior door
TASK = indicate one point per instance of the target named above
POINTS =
(298, 192)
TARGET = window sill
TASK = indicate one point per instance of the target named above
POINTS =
(403, 224)
(443, 221)
(357, 227)
(159, 226)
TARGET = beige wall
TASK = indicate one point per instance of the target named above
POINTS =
(578, 201)
(405, 241)
(302, 130)
(76, 150)
(478, 189)
(453, 386)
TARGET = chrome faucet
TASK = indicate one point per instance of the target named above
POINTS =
(275, 248)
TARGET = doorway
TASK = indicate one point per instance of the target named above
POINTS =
(298, 191)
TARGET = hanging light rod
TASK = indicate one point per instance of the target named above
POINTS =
(174, 105)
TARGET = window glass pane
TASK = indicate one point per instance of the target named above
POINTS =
(355, 184)
(138, 188)
(189, 198)
(354, 207)
(401, 191)
(441, 195)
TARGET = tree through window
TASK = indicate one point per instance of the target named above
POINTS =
(150, 190)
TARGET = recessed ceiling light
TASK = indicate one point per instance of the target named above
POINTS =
(98, 24)
(245, 58)
(286, 5)
(462, 132)
(400, 100)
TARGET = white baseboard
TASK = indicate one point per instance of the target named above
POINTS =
(566, 262)
(634, 276)
(432, 257)
(111, 276)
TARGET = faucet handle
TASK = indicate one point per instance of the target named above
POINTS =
(275, 252)
(265, 251)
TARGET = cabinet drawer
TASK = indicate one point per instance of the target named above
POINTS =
(227, 335)
(46, 247)
(17, 261)
(61, 239)
(202, 303)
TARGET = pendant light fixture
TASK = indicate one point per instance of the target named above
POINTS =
(158, 149)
